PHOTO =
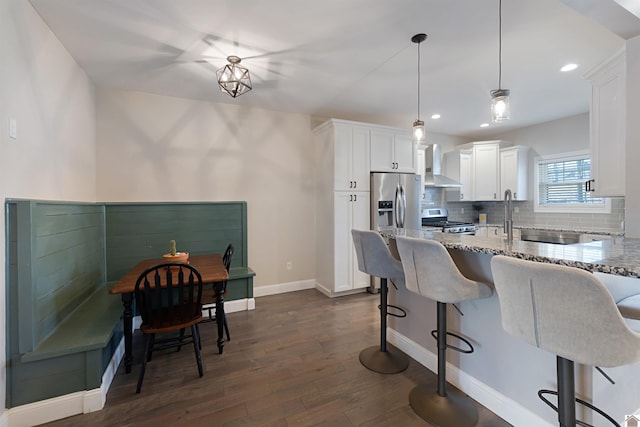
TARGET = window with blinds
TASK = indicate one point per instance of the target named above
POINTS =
(561, 185)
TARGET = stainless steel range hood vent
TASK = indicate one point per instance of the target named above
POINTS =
(433, 176)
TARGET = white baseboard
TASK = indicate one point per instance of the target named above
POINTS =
(56, 408)
(329, 293)
(281, 288)
(507, 409)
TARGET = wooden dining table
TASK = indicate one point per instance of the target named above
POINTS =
(213, 272)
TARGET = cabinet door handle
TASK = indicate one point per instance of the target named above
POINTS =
(355, 184)
(351, 197)
(355, 197)
(495, 196)
(588, 186)
(515, 196)
(461, 196)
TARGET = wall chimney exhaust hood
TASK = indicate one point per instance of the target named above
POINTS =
(432, 175)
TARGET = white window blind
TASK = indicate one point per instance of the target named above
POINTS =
(561, 184)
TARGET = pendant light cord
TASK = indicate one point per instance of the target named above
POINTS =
(418, 81)
(500, 45)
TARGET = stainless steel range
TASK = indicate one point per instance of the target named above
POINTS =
(437, 219)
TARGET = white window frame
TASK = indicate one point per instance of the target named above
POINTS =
(601, 208)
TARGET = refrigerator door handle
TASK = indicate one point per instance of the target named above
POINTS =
(403, 207)
(396, 207)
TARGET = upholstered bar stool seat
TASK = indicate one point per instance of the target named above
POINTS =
(625, 293)
(430, 271)
(568, 312)
(630, 307)
(375, 259)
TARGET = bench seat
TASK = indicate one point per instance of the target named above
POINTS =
(89, 327)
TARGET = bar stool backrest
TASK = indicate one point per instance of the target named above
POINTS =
(564, 310)
(430, 271)
(374, 257)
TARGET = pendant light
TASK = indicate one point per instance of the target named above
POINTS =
(234, 79)
(499, 97)
(418, 126)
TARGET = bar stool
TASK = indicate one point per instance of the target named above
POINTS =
(430, 271)
(375, 259)
(568, 312)
(624, 291)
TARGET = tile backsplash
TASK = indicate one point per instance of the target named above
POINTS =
(525, 215)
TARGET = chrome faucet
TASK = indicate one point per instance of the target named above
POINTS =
(508, 215)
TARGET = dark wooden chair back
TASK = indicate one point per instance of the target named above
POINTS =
(169, 297)
(228, 254)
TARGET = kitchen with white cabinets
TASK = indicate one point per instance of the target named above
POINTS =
(346, 152)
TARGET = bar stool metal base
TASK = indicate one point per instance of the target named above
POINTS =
(383, 362)
(453, 410)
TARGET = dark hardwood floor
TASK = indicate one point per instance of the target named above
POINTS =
(291, 362)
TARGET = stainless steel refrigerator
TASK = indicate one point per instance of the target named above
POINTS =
(395, 200)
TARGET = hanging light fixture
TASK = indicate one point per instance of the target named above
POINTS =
(234, 79)
(418, 126)
(499, 97)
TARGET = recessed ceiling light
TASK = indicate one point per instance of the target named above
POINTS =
(484, 125)
(569, 67)
(435, 116)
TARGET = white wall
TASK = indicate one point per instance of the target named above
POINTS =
(159, 148)
(52, 100)
(557, 136)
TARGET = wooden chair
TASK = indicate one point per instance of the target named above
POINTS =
(169, 299)
(211, 293)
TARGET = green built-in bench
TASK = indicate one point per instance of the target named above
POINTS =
(88, 329)
(137, 231)
(63, 327)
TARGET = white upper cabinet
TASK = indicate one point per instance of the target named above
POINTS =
(392, 151)
(514, 164)
(458, 166)
(608, 126)
(351, 157)
(486, 171)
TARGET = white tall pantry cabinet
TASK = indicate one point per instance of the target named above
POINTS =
(343, 202)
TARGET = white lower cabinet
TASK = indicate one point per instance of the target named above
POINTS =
(351, 211)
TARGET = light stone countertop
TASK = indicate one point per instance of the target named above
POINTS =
(546, 227)
(619, 256)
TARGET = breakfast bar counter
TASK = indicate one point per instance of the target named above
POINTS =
(618, 256)
(505, 373)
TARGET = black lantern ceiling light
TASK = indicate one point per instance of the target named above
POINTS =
(234, 79)
(499, 97)
(418, 126)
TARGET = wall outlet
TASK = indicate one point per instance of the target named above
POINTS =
(461, 210)
(516, 209)
(289, 265)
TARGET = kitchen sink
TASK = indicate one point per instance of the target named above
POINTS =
(550, 236)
